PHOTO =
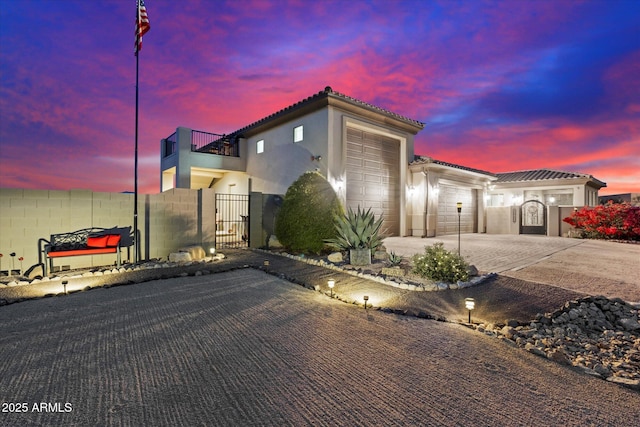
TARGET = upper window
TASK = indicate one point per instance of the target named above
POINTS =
(260, 146)
(297, 134)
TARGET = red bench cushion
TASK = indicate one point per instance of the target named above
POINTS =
(88, 251)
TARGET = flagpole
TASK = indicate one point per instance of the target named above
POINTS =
(136, 244)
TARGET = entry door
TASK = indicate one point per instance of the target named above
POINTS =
(533, 217)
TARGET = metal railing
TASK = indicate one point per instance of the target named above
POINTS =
(213, 143)
(170, 144)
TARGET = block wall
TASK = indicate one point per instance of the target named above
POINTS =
(166, 222)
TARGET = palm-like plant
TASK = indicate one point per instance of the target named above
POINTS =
(357, 230)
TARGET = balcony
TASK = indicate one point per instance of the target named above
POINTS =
(204, 142)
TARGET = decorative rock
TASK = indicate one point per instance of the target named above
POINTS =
(472, 270)
(629, 324)
(179, 257)
(196, 252)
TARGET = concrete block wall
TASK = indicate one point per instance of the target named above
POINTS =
(166, 222)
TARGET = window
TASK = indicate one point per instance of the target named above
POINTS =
(297, 134)
(260, 146)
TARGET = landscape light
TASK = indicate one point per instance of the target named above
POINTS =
(469, 304)
(212, 251)
(266, 262)
(64, 286)
(366, 298)
(331, 284)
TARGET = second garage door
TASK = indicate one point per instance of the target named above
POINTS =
(448, 197)
(373, 176)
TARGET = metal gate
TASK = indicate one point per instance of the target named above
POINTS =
(232, 221)
(533, 217)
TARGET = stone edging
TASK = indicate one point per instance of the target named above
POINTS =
(438, 286)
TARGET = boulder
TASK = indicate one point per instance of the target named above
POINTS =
(179, 257)
(196, 252)
(335, 257)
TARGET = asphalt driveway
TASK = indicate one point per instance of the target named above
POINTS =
(248, 348)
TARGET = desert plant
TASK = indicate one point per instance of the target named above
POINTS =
(305, 219)
(357, 230)
(439, 264)
(394, 259)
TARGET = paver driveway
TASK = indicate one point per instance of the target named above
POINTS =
(246, 348)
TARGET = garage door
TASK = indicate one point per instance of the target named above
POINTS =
(373, 176)
(448, 197)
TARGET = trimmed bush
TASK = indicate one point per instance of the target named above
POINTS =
(439, 264)
(305, 219)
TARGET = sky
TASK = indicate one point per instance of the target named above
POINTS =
(500, 85)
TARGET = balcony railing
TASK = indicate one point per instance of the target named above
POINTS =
(170, 144)
(205, 142)
(213, 143)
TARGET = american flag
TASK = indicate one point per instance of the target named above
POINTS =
(142, 24)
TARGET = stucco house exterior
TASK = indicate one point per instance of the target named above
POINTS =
(367, 155)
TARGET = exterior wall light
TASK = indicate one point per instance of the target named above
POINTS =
(366, 298)
(316, 158)
(331, 284)
(469, 304)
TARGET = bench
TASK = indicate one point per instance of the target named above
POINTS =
(88, 241)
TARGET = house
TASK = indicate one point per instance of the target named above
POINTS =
(367, 155)
(361, 149)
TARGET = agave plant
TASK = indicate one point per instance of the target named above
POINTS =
(357, 230)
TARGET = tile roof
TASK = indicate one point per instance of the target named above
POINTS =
(540, 175)
(328, 92)
(420, 160)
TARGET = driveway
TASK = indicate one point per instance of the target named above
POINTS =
(592, 267)
(248, 348)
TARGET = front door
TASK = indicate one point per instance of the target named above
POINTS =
(533, 217)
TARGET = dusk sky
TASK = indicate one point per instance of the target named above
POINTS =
(501, 85)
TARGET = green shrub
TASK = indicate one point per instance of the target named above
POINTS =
(439, 264)
(305, 219)
(394, 259)
(357, 230)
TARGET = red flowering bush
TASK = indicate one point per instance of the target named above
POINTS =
(610, 221)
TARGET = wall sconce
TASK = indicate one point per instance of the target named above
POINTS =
(331, 284)
(469, 304)
(411, 190)
(316, 158)
(366, 298)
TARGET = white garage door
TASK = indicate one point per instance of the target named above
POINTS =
(448, 197)
(373, 176)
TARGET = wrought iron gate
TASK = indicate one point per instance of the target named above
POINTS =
(533, 217)
(232, 221)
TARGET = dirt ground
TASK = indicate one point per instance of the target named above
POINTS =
(248, 348)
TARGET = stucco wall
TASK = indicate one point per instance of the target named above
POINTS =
(166, 221)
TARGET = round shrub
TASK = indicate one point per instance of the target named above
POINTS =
(439, 264)
(305, 219)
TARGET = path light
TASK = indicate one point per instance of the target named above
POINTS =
(459, 207)
(266, 262)
(469, 304)
(331, 284)
(366, 298)
(212, 251)
(64, 286)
